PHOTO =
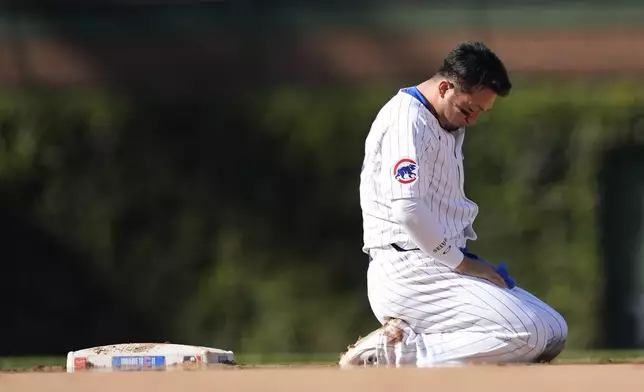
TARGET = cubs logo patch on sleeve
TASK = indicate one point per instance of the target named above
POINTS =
(405, 171)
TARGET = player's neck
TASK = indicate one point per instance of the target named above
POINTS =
(430, 92)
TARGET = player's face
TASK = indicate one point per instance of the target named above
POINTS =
(463, 109)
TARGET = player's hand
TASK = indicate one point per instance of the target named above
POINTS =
(480, 269)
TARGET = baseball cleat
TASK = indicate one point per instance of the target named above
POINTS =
(362, 352)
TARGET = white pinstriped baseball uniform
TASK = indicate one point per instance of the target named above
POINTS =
(450, 317)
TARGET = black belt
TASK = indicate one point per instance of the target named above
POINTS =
(397, 248)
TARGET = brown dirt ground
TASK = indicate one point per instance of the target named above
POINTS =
(623, 377)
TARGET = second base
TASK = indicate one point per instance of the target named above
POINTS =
(146, 356)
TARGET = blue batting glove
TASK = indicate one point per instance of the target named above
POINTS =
(502, 270)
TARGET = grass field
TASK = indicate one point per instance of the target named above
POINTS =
(568, 357)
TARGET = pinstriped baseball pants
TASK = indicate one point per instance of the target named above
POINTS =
(453, 318)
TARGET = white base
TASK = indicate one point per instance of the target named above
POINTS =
(146, 356)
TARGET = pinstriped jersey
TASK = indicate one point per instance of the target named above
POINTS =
(409, 155)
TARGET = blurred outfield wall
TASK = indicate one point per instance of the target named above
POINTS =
(255, 42)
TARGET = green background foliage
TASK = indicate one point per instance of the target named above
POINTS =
(236, 224)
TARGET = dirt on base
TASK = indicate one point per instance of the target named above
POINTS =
(623, 377)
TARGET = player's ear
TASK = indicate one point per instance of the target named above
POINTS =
(443, 86)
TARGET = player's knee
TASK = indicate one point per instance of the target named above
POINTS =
(533, 336)
(557, 342)
(561, 329)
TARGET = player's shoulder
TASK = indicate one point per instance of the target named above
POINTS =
(409, 111)
(405, 105)
(407, 101)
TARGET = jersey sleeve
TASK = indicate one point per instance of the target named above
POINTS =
(406, 148)
(426, 232)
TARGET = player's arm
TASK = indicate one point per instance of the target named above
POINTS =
(407, 150)
(422, 225)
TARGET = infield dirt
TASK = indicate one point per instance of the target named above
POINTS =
(481, 378)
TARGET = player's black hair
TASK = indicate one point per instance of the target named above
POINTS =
(472, 65)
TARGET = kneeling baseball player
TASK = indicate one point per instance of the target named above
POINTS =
(439, 304)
